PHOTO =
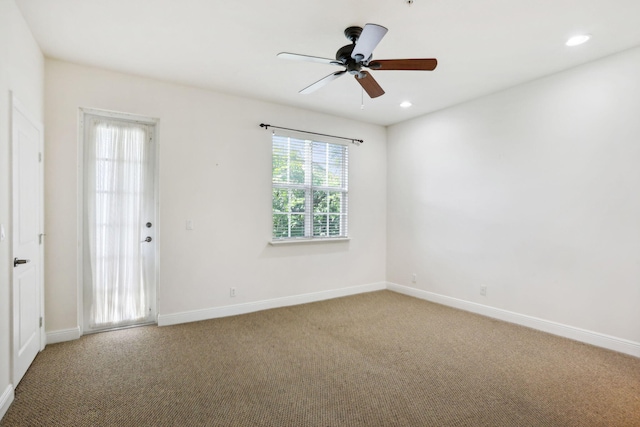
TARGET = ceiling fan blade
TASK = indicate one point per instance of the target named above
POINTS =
(368, 40)
(424, 64)
(370, 85)
(307, 58)
(323, 81)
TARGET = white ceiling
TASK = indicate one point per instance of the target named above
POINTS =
(231, 46)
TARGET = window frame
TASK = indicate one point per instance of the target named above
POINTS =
(309, 187)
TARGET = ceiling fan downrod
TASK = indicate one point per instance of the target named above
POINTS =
(353, 34)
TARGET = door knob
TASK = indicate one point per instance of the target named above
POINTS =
(17, 261)
(148, 239)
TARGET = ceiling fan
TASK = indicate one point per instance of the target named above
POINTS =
(357, 55)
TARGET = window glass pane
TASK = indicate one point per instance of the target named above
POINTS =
(335, 166)
(297, 200)
(280, 200)
(329, 165)
(335, 201)
(319, 175)
(297, 164)
(320, 164)
(319, 201)
(319, 225)
(288, 161)
(297, 225)
(280, 225)
(334, 225)
(280, 163)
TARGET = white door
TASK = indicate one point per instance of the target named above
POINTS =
(27, 239)
(120, 226)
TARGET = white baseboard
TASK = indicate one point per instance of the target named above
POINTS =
(63, 335)
(5, 400)
(594, 338)
(233, 310)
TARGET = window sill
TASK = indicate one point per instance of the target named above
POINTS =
(317, 240)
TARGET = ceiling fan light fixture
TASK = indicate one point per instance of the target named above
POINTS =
(405, 104)
(578, 40)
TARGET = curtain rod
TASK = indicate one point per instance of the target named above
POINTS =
(353, 140)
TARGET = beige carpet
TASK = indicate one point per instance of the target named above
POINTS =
(377, 359)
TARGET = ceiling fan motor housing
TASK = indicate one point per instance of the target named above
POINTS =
(344, 56)
(344, 53)
(354, 65)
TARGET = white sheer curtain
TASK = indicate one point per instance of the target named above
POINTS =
(115, 157)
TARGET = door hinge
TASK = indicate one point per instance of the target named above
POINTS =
(40, 236)
(40, 157)
(41, 321)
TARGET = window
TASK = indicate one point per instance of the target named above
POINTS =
(309, 190)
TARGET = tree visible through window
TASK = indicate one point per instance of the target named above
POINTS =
(310, 189)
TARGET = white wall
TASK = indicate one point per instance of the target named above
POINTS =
(530, 192)
(215, 169)
(21, 72)
(533, 192)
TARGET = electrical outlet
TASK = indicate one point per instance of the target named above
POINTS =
(232, 292)
(414, 278)
(483, 290)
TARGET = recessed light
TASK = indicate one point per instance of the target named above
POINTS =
(577, 40)
(406, 104)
